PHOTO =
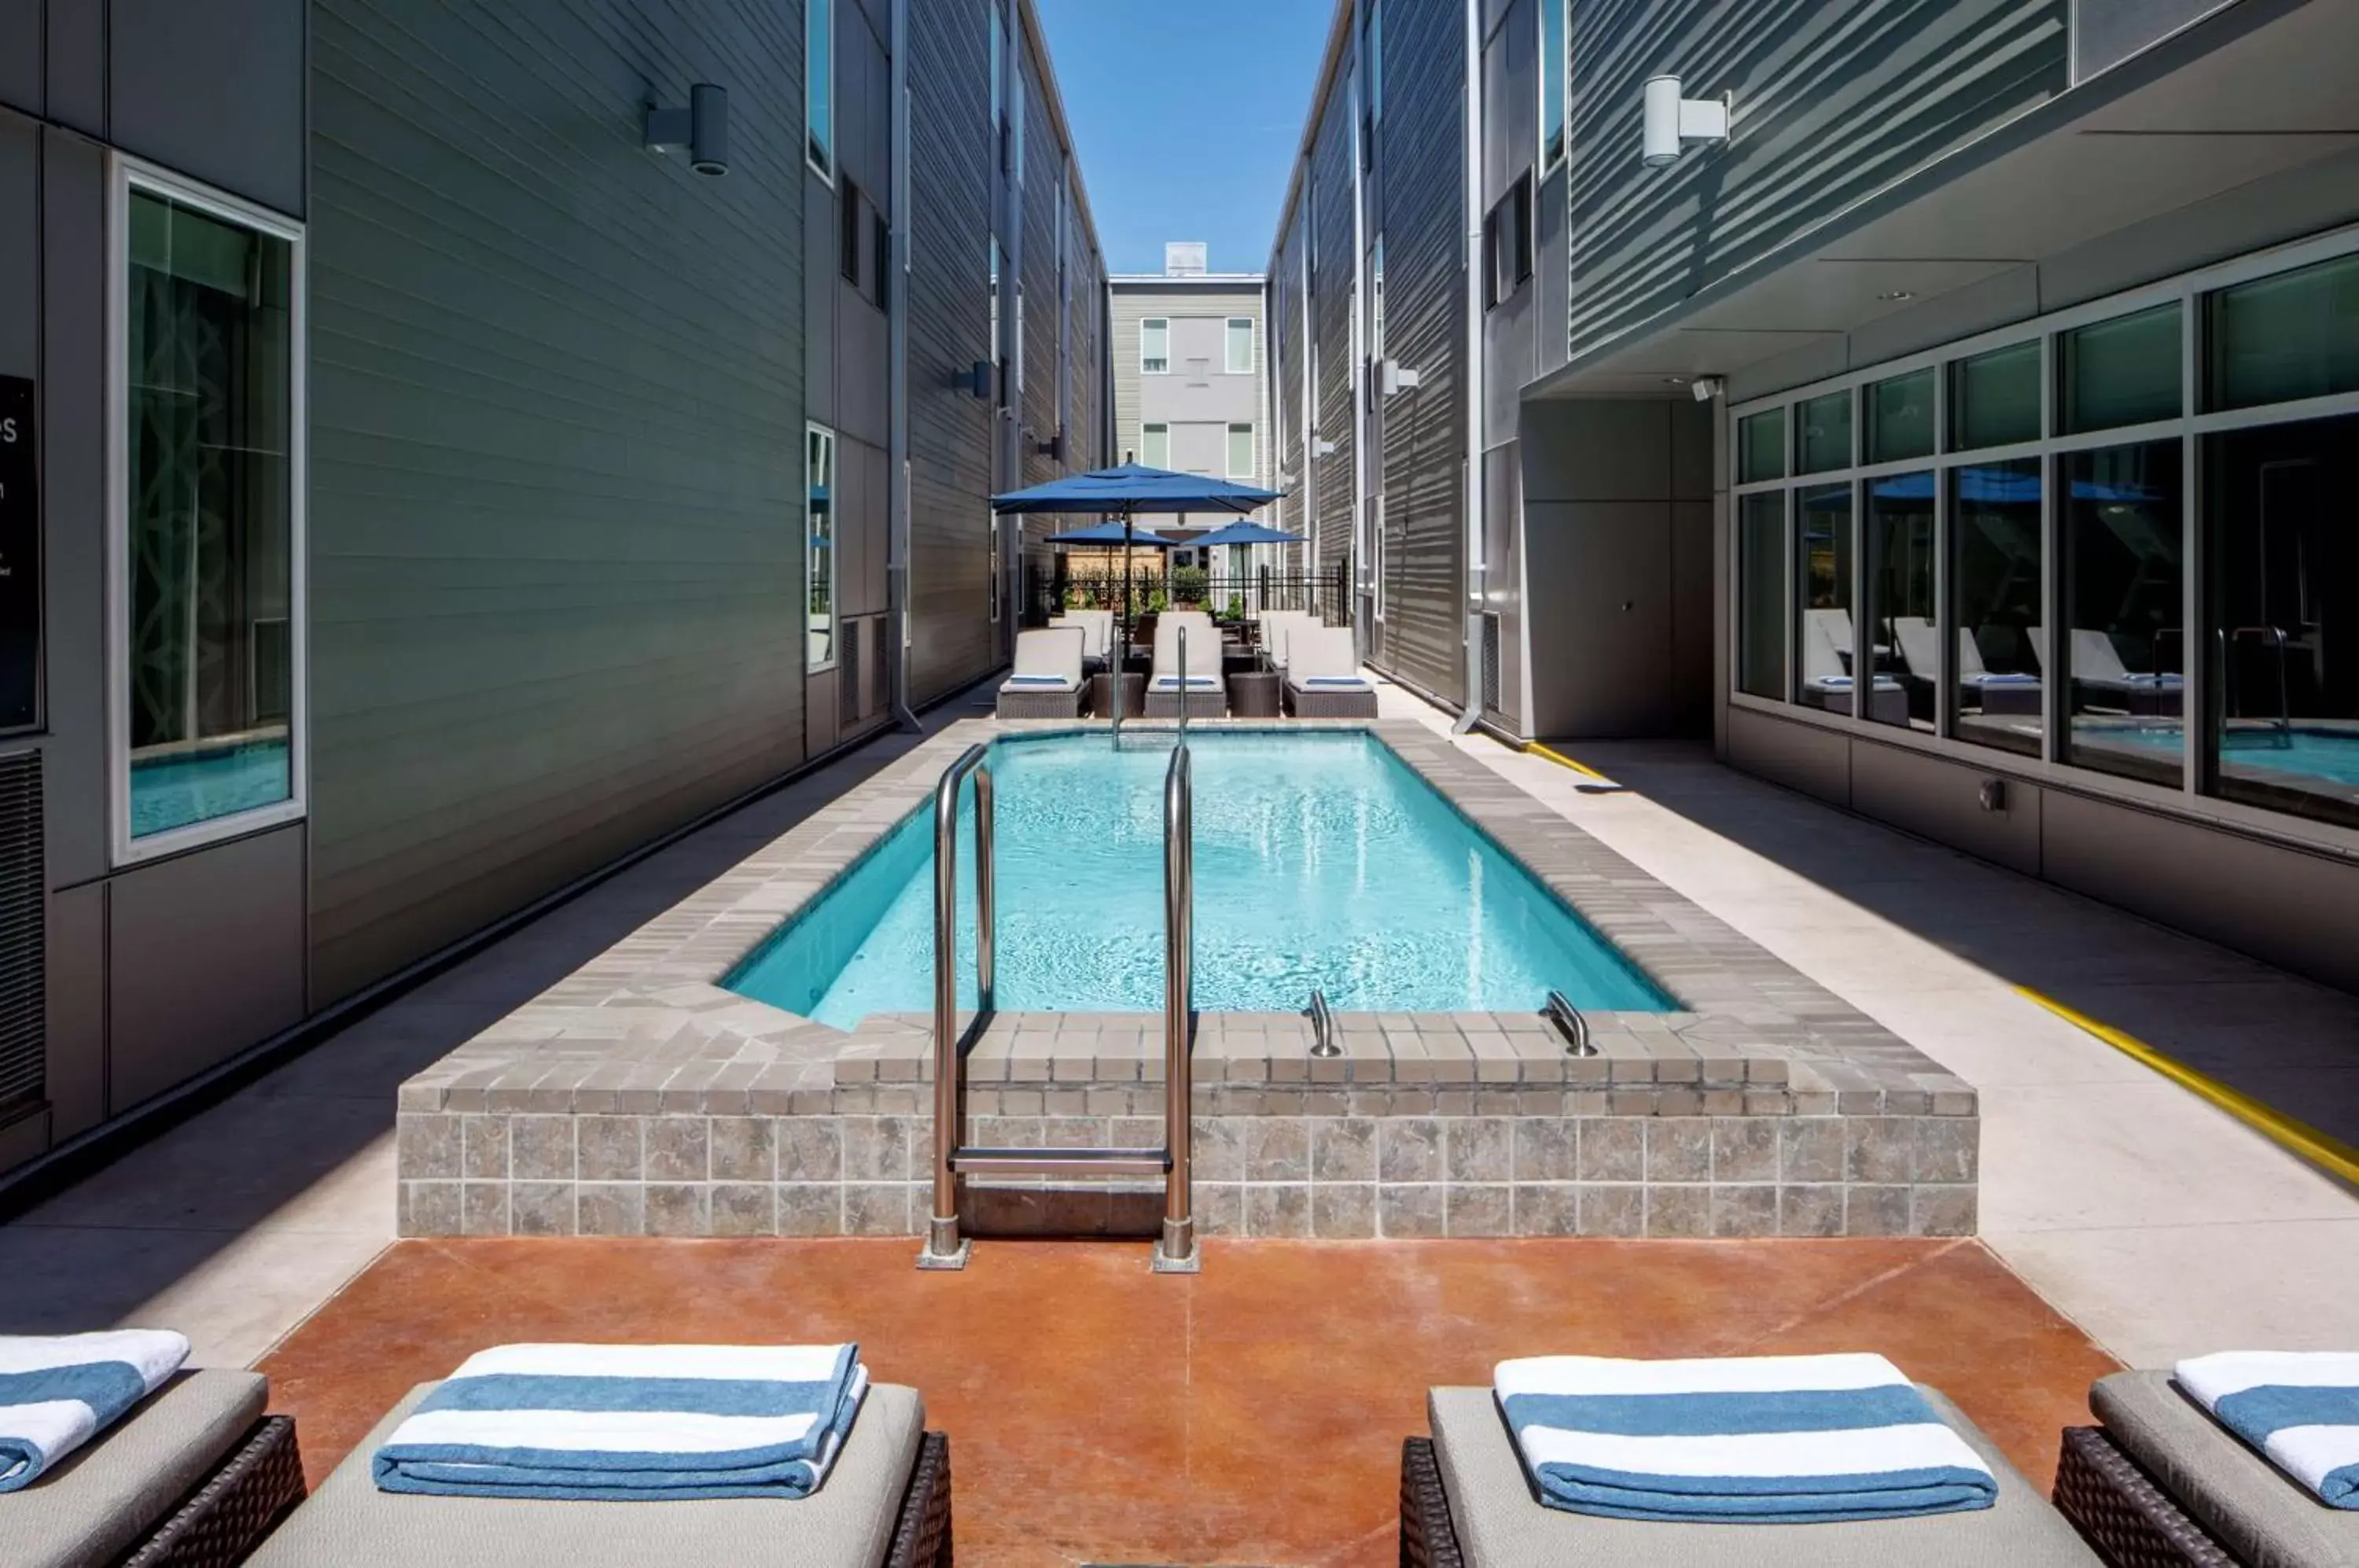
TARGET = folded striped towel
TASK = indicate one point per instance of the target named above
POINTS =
(626, 1422)
(1762, 1440)
(58, 1391)
(2299, 1409)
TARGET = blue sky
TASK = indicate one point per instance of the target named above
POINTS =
(1187, 114)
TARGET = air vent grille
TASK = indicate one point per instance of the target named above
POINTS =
(23, 932)
(847, 675)
(1491, 660)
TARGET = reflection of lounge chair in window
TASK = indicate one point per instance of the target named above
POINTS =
(2101, 680)
(1978, 686)
(1826, 634)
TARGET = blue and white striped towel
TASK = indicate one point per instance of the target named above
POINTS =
(624, 1422)
(2299, 1409)
(58, 1391)
(1762, 1440)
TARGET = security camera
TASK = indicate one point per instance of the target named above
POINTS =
(1706, 387)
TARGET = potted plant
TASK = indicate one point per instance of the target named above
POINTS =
(1189, 585)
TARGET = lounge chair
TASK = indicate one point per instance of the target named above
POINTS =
(2162, 1483)
(1991, 691)
(1046, 683)
(1322, 675)
(195, 1474)
(1826, 638)
(1097, 633)
(887, 1501)
(1465, 1499)
(1206, 693)
(1276, 626)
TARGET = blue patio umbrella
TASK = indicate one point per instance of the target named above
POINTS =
(1112, 532)
(1248, 533)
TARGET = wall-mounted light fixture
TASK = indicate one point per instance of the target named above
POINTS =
(976, 382)
(1322, 447)
(1674, 123)
(703, 128)
(1704, 389)
(1392, 376)
(1052, 447)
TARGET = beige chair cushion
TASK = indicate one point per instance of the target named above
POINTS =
(112, 1493)
(2260, 1513)
(1501, 1525)
(847, 1523)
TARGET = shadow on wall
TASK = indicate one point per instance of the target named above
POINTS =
(2289, 1042)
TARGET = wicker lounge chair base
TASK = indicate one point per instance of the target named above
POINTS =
(923, 1537)
(2121, 1511)
(1340, 704)
(1040, 704)
(1210, 703)
(1428, 1540)
(220, 1522)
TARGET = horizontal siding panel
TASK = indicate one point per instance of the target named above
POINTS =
(1332, 303)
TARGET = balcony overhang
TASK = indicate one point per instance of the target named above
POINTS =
(2254, 91)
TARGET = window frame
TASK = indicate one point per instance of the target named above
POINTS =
(1253, 450)
(1229, 366)
(834, 548)
(2190, 290)
(1163, 361)
(1155, 428)
(124, 174)
(818, 149)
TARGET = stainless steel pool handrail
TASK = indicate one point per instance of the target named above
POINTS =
(1182, 632)
(1569, 1023)
(945, 1248)
(1176, 1253)
(1323, 1042)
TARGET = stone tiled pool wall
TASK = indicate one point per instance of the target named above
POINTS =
(638, 1097)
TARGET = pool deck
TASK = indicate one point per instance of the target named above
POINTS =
(639, 1097)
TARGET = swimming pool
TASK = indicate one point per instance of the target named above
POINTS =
(1322, 861)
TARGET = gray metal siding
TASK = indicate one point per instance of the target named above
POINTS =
(952, 157)
(212, 88)
(1831, 103)
(557, 453)
(1331, 302)
(1043, 178)
(1420, 149)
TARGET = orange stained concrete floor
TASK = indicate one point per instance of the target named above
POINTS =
(1249, 1414)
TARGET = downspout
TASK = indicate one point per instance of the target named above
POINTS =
(1473, 712)
(896, 327)
(1362, 305)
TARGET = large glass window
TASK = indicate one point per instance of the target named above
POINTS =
(1154, 446)
(1901, 578)
(1377, 299)
(819, 546)
(1900, 418)
(819, 84)
(210, 516)
(1995, 599)
(1761, 640)
(1825, 436)
(1995, 397)
(2121, 371)
(1761, 446)
(1553, 74)
(1826, 660)
(1155, 346)
(2293, 335)
(1375, 48)
(1238, 346)
(1241, 452)
(2124, 646)
(2283, 574)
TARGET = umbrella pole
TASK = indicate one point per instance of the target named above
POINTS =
(1122, 661)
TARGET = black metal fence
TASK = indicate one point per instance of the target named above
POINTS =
(1064, 584)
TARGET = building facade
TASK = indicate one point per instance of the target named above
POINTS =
(421, 488)
(1957, 437)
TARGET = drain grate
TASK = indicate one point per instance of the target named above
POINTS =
(23, 936)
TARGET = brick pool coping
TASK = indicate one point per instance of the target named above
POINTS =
(638, 1095)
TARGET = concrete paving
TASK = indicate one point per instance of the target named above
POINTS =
(2161, 1225)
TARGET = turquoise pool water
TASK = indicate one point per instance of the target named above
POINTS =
(174, 790)
(1322, 861)
(2331, 755)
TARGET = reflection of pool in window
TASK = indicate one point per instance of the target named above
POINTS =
(174, 789)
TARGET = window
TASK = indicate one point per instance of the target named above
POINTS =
(1155, 346)
(2124, 647)
(1997, 588)
(1375, 49)
(998, 356)
(2293, 335)
(1240, 346)
(819, 86)
(2121, 371)
(1508, 241)
(208, 517)
(1553, 67)
(1904, 652)
(1015, 123)
(880, 250)
(1822, 577)
(1377, 299)
(1900, 419)
(1154, 446)
(847, 243)
(1761, 446)
(992, 573)
(1995, 397)
(1241, 452)
(1825, 435)
(819, 549)
(1761, 595)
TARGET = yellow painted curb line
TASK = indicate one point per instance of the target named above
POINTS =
(2323, 1149)
(1562, 760)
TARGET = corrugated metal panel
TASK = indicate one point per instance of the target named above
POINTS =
(1086, 346)
(1044, 180)
(24, 943)
(1421, 152)
(556, 452)
(1833, 102)
(953, 151)
(1288, 345)
(1332, 303)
